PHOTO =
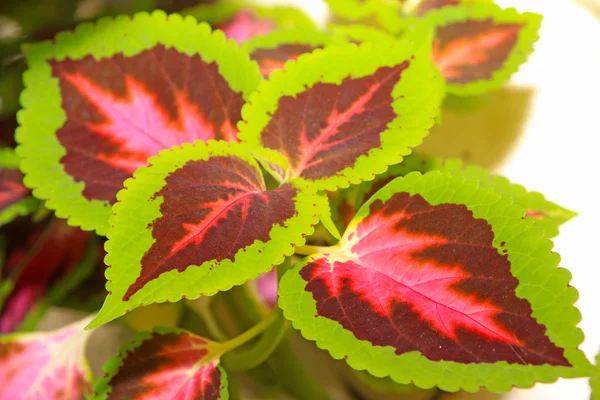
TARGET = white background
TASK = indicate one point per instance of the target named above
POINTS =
(558, 154)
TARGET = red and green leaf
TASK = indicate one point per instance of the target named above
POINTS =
(273, 50)
(548, 216)
(114, 94)
(204, 223)
(440, 282)
(242, 22)
(345, 122)
(15, 198)
(165, 364)
(45, 365)
(43, 262)
(477, 48)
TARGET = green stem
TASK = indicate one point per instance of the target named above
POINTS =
(308, 250)
(297, 380)
(202, 307)
(249, 334)
(262, 350)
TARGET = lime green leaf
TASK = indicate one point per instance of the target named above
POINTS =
(346, 112)
(440, 282)
(87, 125)
(167, 363)
(204, 222)
(477, 48)
(547, 215)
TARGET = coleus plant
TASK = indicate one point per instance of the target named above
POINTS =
(211, 163)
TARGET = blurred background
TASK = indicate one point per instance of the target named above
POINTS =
(541, 131)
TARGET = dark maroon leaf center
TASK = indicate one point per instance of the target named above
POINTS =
(428, 278)
(122, 110)
(211, 210)
(326, 128)
(473, 50)
(167, 366)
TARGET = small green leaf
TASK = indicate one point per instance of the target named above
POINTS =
(547, 215)
(204, 222)
(346, 112)
(440, 282)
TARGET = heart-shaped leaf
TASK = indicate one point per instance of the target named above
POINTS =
(15, 198)
(98, 102)
(167, 363)
(45, 365)
(343, 114)
(477, 48)
(273, 50)
(204, 223)
(440, 282)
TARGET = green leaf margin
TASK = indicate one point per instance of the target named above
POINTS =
(528, 35)
(556, 215)
(417, 97)
(42, 114)
(101, 387)
(544, 285)
(130, 238)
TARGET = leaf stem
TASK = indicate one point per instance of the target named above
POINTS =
(308, 250)
(262, 349)
(202, 307)
(249, 334)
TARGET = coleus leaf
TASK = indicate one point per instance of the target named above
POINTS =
(442, 283)
(273, 50)
(45, 365)
(343, 114)
(204, 223)
(242, 22)
(98, 102)
(477, 48)
(167, 363)
(15, 198)
(42, 259)
(547, 215)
